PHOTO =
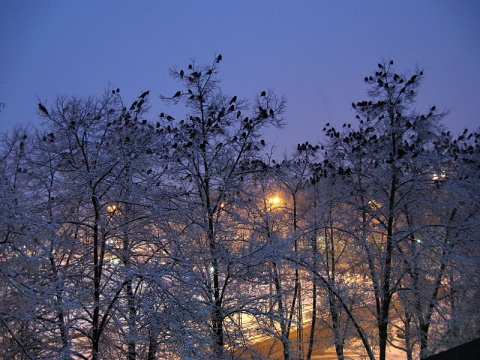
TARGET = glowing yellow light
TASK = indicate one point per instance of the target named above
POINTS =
(112, 208)
(275, 200)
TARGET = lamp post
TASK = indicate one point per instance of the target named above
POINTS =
(274, 203)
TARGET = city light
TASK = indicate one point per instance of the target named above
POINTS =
(112, 208)
(436, 177)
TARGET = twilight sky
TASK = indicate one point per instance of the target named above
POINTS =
(315, 53)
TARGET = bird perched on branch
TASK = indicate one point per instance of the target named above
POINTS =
(42, 109)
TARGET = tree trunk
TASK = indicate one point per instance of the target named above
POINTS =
(311, 338)
(131, 344)
(284, 328)
(338, 338)
(152, 345)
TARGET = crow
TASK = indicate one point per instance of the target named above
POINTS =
(43, 109)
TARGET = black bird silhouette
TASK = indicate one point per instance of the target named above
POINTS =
(177, 94)
(43, 109)
(219, 58)
(181, 73)
(263, 93)
(234, 99)
(144, 94)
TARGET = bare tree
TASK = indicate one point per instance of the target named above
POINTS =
(213, 149)
(382, 159)
(78, 169)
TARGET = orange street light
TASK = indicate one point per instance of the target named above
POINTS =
(112, 208)
(274, 202)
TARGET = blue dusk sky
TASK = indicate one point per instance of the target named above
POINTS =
(315, 53)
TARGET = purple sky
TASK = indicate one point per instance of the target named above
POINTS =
(315, 53)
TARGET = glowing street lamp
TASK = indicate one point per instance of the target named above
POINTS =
(274, 202)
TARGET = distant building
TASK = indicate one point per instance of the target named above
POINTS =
(467, 351)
